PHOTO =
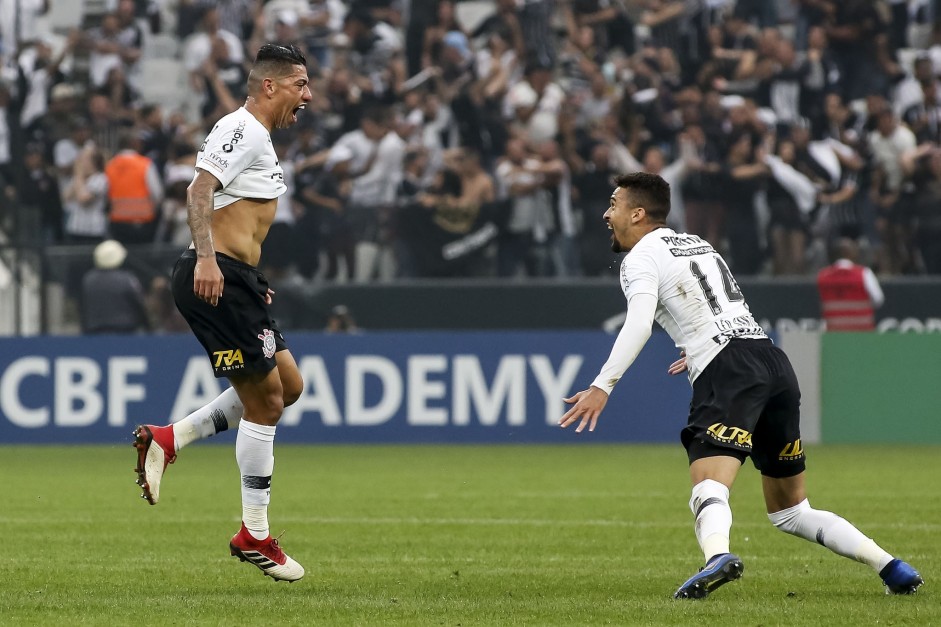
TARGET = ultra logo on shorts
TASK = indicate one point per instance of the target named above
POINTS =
(731, 435)
(792, 450)
(228, 360)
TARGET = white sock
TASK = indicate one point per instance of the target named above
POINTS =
(221, 413)
(710, 506)
(831, 531)
(254, 451)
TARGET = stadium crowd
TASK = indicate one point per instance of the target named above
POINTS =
(486, 146)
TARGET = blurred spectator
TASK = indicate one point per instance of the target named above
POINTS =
(279, 250)
(134, 192)
(926, 178)
(38, 71)
(116, 45)
(341, 320)
(849, 292)
(177, 175)
(593, 187)
(106, 125)
(41, 205)
(505, 23)
(112, 297)
(535, 19)
(607, 21)
(744, 175)
(375, 54)
(86, 198)
(224, 83)
(7, 191)
(321, 25)
(154, 137)
(888, 142)
(525, 241)
(66, 150)
(445, 22)
(859, 41)
(533, 104)
(198, 47)
(164, 315)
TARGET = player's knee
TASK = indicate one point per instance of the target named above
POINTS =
(707, 492)
(272, 407)
(789, 520)
(291, 391)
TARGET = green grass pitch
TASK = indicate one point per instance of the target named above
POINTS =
(438, 535)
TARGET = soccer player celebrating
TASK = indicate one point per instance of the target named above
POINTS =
(230, 206)
(746, 400)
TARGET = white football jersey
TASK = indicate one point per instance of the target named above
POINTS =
(698, 301)
(239, 152)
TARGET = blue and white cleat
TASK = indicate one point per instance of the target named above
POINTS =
(900, 578)
(723, 568)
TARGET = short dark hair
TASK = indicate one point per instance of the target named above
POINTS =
(649, 191)
(277, 53)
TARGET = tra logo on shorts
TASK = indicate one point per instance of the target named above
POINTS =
(228, 360)
(267, 343)
(731, 435)
(791, 450)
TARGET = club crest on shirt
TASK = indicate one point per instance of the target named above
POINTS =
(267, 343)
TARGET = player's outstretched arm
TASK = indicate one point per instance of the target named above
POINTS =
(207, 277)
(589, 403)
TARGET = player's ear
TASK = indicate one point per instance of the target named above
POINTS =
(639, 214)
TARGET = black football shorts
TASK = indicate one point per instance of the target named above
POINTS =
(746, 403)
(239, 334)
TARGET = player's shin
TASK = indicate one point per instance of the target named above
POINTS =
(710, 505)
(220, 414)
(254, 452)
(831, 531)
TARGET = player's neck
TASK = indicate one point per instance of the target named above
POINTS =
(252, 106)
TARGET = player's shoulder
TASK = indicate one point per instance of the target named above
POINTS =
(655, 243)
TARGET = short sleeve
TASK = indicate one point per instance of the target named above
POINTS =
(640, 274)
(231, 150)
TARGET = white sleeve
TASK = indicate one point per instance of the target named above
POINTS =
(226, 156)
(634, 334)
(873, 288)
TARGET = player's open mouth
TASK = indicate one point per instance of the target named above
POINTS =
(296, 109)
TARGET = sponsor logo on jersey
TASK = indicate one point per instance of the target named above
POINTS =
(267, 343)
(228, 360)
(730, 435)
(691, 252)
(216, 161)
(237, 136)
(791, 450)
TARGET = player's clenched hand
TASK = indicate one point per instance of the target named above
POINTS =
(268, 296)
(207, 280)
(587, 407)
(679, 365)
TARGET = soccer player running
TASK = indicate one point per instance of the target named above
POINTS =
(230, 206)
(746, 400)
